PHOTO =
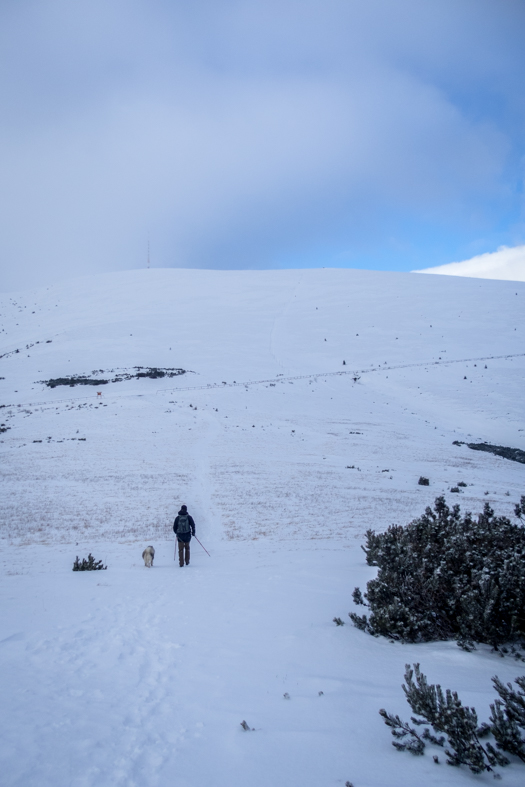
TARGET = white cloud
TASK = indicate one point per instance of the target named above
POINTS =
(505, 263)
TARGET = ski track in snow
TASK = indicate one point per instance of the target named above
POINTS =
(279, 318)
(202, 487)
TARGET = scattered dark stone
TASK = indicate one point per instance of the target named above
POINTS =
(455, 489)
(422, 481)
(461, 483)
(514, 454)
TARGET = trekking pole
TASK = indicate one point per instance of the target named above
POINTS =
(202, 545)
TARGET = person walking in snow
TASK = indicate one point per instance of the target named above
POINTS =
(184, 528)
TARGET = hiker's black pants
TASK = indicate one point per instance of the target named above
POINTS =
(184, 552)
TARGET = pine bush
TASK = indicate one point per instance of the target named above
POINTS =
(508, 717)
(88, 565)
(443, 712)
(446, 576)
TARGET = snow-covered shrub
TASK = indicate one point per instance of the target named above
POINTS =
(88, 565)
(444, 713)
(446, 576)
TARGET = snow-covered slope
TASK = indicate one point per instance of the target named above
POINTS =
(243, 452)
(311, 404)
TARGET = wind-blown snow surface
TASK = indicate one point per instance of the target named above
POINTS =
(285, 457)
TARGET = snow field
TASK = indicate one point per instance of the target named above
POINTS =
(141, 677)
(136, 676)
(259, 461)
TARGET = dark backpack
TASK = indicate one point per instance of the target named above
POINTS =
(183, 525)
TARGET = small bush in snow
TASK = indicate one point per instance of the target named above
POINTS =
(423, 481)
(444, 713)
(88, 565)
(446, 576)
(358, 596)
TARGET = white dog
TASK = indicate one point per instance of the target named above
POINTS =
(148, 555)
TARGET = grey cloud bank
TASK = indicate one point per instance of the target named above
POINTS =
(245, 135)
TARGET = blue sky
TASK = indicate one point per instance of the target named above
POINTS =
(286, 133)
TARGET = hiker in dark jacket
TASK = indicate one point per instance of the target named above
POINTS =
(184, 528)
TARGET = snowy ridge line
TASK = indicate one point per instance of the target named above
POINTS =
(210, 386)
